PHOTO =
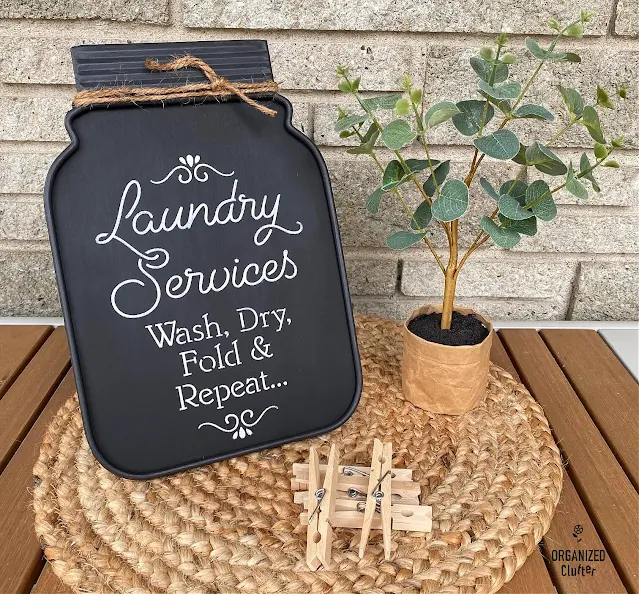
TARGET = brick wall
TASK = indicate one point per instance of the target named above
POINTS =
(583, 265)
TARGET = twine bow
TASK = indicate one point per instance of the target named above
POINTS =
(218, 86)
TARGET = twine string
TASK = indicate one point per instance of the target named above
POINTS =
(217, 86)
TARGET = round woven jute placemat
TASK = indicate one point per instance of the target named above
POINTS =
(493, 477)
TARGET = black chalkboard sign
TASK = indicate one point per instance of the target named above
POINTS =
(199, 267)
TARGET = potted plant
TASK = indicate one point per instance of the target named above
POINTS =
(446, 348)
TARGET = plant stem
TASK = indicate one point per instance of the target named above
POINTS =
(482, 237)
(404, 205)
(401, 160)
(450, 279)
(491, 82)
(477, 161)
(561, 186)
(422, 137)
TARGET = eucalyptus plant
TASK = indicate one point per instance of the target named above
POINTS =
(519, 204)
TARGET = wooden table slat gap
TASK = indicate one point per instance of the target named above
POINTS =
(50, 583)
(534, 576)
(570, 512)
(20, 551)
(606, 492)
(605, 388)
(23, 402)
(18, 345)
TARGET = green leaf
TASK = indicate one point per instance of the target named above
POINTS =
(501, 236)
(572, 57)
(525, 226)
(574, 186)
(350, 121)
(574, 30)
(515, 188)
(520, 157)
(483, 70)
(544, 159)
(441, 172)
(611, 163)
(503, 105)
(372, 202)
(382, 101)
(591, 121)
(344, 86)
(402, 107)
(415, 165)
(603, 99)
(535, 49)
(584, 165)
(502, 144)
(488, 188)
(367, 143)
(355, 84)
(403, 239)
(397, 135)
(346, 133)
(537, 112)
(452, 202)
(546, 210)
(509, 90)
(600, 150)
(421, 217)
(439, 113)
(573, 100)
(510, 208)
(543, 54)
(487, 53)
(468, 120)
(394, 175)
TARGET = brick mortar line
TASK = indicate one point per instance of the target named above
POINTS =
(42, 147)
(612, 21)
(79, 28)
(596, 210)
(460, 150)
(488, 255)
(17, 245)
(457, 153)
(574, 292)
(418, 299)
(34, 198)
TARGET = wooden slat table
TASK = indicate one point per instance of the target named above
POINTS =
(590, 399)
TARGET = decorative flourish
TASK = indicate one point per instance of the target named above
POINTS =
(191, 168)
(239, 426)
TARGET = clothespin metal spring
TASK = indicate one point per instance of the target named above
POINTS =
(319, 496)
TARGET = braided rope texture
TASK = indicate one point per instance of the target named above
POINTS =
(493, 477)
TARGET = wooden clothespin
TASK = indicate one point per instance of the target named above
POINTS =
(321, 506)
(378, 496)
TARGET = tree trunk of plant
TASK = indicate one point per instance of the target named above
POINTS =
(449, 299)
(450, 279)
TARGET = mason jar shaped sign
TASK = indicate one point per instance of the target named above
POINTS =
(198, 260)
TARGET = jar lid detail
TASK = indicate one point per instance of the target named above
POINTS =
(115, 65)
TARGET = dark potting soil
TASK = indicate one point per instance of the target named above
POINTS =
(464, 330)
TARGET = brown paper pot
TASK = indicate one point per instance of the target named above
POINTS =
(445, 379)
